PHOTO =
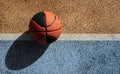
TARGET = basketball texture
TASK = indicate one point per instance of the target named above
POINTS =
(45, 27)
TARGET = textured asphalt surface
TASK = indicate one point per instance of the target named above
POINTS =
(60, 57)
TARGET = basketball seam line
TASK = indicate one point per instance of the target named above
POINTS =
(46, 26)
(48, 30)
(52, 22)
(45, 29)
(46, 33)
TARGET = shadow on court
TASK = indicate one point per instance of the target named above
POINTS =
(22, 54)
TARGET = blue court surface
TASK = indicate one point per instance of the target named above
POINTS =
(60, 57)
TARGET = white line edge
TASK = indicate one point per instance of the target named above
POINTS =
(83, 37)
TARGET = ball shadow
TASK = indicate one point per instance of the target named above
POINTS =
(23, 53)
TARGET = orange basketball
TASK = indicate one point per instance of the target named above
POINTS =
(45, 27)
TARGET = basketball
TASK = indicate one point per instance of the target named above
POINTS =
(45, 27)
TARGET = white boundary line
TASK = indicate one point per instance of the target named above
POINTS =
(83, 37)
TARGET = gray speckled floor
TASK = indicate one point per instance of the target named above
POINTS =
(60, 57)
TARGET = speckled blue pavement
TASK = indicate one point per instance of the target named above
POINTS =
(60, 57)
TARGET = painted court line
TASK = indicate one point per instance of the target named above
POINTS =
(83, 37)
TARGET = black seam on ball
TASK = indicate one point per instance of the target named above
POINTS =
(45, 28)
(55, 29)
(48, 30)
(46, 33)
(49, 38)
(52, 22)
